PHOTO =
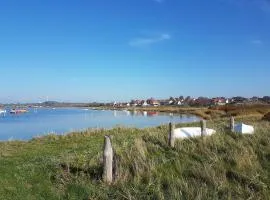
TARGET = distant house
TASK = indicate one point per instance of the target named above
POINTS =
(254, 99)
(219, 101)
(172, 101)
(153, 102)
(189, 101)
(133, 103)
(266, 99)
(116, 104)
(164, 102)
(202, 101)
(181, 98)
(136, 102)
(179, 103)
(239, 100)
(140, 102)
(156, 103)
(144, 103)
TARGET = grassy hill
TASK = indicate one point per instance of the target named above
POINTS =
(223, 166)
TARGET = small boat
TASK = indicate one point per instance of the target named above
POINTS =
(18, 111)
(2, 111)
(189, 132)
(243, 128)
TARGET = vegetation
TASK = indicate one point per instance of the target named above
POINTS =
(243, 109)
(212, 112)
(223, 166)
(266, 116)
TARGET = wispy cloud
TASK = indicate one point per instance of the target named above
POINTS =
(158, 1)
(256, 42)
(263, 5)
(149, 40)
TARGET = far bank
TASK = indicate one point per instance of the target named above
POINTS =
(211, 112)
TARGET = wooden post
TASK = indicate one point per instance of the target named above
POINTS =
(203, 127)
(171, 134)
(107, 160)
(232, 124)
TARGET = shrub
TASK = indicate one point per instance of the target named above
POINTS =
(266, 117)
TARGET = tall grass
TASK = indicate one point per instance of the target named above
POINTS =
(223, 166)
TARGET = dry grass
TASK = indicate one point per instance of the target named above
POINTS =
(214, 112)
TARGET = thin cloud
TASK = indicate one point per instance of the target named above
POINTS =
(147, 41)
(158, 1)
(256, 42)
(263, 5)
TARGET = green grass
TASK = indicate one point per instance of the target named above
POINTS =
(223, 166)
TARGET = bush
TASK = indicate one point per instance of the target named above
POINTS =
(266, 117)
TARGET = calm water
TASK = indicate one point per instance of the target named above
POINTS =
(42, 121)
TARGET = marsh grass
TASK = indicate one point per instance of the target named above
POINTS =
(212, 112)
(223, 166)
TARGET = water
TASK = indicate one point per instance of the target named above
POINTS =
(42, 121)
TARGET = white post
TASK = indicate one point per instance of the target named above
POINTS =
(203, 127)
(107, 161)
(232, 124)
(171, 134)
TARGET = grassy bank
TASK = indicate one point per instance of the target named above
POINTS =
(223, 166)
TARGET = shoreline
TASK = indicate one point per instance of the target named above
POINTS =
(203, 112)
(94, 128)
(208, 113)
(93, 131)
(163, 109)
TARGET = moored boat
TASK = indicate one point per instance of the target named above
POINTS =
(18, 111)
(2, 111)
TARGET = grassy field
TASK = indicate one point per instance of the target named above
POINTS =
(223, 166)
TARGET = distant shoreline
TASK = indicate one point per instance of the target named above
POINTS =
(208, 113)
(211, 112)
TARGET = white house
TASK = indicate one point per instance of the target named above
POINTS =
(144, 103)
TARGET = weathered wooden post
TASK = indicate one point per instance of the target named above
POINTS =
(107, 160)
(203, 127)
(232, 124)
(171, 134)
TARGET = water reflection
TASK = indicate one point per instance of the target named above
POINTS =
(136, 113)
(40, 121)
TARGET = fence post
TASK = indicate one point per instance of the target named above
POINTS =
(232, 124)
(171, 134)
(203, 127)
(107, 160)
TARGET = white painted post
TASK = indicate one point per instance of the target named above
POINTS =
(232, 124)
(171, 134)
(203, 127)
(107, 160)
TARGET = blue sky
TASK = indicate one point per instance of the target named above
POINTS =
(105, 50)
